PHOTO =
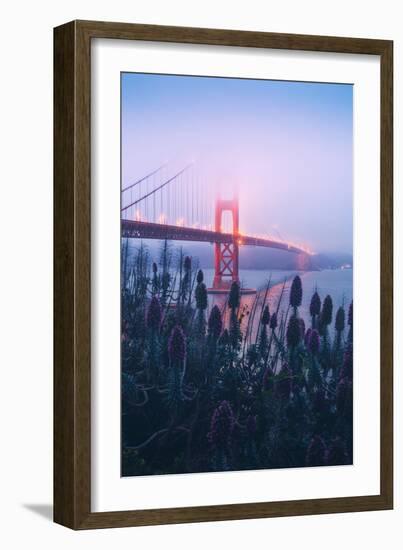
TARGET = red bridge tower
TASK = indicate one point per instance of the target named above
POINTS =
(226, 258)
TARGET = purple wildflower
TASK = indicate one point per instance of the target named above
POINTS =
(293, 332)
(200, 277)
(327, 311)
(296, 292)
(201, 296)
(340, 320)
(314, 308)
(177, 344)
(234, 295)
(215, 323)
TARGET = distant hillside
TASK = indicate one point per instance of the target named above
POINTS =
(332, 260)
(266, 258)
(262, 258)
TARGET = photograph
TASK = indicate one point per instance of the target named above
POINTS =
(236, 274)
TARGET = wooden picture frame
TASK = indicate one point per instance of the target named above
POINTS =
(72, 270)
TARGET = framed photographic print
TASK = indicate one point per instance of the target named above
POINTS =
(222, 199)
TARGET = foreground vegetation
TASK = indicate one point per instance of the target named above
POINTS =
(210, 389)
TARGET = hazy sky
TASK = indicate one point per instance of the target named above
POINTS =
(286, 146)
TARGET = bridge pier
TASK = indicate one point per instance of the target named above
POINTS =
(226, 264)
(226, 255)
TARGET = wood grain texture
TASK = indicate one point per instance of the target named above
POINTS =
(72, 270)
(220, 37)
(387, 273)
(72, 218)
(64, 377)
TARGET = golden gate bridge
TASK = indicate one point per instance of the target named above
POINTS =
(180, 207)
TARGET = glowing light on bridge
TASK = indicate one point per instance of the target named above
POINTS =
(179, 208)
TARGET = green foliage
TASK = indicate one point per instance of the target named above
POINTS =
(241, 390)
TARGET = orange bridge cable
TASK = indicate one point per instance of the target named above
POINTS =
(143, 178)
(156, 189)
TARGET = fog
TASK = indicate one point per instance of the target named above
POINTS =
(284, 147)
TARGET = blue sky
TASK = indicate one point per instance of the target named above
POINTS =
(286, 146)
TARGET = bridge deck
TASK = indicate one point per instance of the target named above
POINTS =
(146, 230)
